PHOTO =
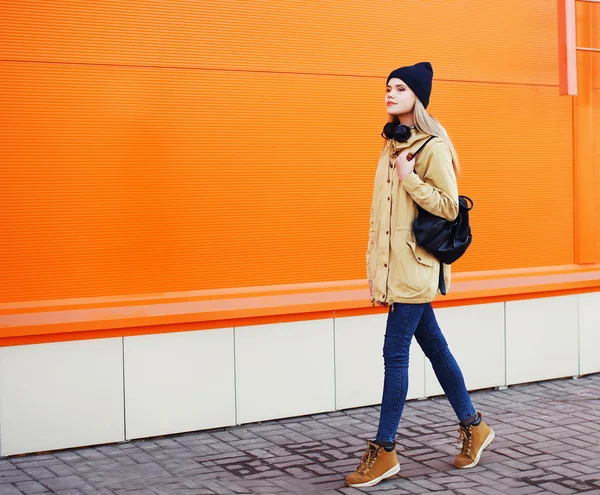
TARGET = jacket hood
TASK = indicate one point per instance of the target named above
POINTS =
(416, 139)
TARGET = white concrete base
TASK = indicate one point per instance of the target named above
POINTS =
(179, 382)
(284, 370)
(542, 339)
(589, 333)
(59, 395)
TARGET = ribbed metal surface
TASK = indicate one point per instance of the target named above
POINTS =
(167, 146)
(597, 166)
(511, 41)
(595, 34)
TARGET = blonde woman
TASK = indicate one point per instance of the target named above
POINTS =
(404, 277)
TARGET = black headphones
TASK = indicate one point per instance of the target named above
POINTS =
(397, 131)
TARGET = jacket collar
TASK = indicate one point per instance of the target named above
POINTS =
(416, 137)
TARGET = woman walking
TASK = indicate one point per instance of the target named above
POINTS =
(404, 277)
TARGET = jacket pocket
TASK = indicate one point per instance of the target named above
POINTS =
(422, 256)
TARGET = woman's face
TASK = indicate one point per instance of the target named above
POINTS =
(399, 98)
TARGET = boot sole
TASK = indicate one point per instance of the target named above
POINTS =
(385, 475)
(488, 440)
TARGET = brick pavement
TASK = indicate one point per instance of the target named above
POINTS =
(548, 441)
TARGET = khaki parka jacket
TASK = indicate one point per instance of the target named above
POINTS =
(400, 270)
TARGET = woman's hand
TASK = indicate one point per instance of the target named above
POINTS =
(405, 164)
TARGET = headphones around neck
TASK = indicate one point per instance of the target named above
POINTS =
(396, 131)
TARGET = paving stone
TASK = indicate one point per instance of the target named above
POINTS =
(548, 441)
(30, 488)
(15, 477)
(526, 490)
(7, 489)
(557, 488)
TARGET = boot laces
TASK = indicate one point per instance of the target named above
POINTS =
(466, 438)
(368, 459)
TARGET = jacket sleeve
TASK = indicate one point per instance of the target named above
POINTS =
(437, 193)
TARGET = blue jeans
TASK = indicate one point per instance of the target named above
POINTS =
(403, 322)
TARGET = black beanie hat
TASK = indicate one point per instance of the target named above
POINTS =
(418, 77)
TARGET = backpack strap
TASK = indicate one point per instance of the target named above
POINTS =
(423, 146)
(415, 154)
(441, 281)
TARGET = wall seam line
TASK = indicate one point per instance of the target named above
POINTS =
(335, 400)
(124, 394)
(578, 334)
(235, 394)
(258, 71)
(505, 349)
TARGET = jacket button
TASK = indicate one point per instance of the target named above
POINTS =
(387, 232)
(385, 265)
(388, 181)
(388, 198)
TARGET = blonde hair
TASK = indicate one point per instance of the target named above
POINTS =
(428, 124)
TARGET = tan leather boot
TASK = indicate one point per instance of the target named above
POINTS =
(375, 465)
(474, 440)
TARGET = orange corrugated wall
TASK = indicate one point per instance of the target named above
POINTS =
(595, 29)
(148, 147)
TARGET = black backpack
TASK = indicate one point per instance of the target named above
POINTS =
(446, 241)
